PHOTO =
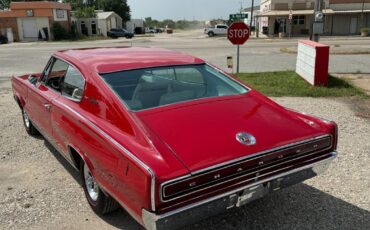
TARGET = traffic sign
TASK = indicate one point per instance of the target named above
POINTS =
(238, 33)
(236, 17)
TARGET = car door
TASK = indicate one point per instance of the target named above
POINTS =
(222, 30)
(72, 89)
(41, 96)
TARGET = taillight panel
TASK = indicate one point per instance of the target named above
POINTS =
(249, 169)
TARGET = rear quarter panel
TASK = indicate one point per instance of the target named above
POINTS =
(20, 88)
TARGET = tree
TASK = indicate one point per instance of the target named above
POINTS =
(120, 7)
(75, 4)
(85, 12)
(4, 4)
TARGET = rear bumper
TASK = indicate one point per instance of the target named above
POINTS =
(219, 204)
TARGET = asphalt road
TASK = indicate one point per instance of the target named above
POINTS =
(256, 55)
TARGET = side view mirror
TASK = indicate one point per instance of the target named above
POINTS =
(32, 79)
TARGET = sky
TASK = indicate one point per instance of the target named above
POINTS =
(185, 9)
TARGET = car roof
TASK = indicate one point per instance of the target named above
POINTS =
(113, 59)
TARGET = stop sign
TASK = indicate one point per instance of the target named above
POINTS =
(238, 33)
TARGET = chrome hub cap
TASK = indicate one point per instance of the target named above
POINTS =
(26, 119)
(91, 185)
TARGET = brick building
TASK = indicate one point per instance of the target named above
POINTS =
(30, 21)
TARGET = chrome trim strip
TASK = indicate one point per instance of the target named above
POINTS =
(132, 214)
(196, 173)
(229, 76)
(254, 172)
(185, 208)
(122, 148)
(70, 64)
(152, 67)
(259, 153)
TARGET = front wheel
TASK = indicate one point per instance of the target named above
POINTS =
(31, 130)
(211, 34)
(99, 202)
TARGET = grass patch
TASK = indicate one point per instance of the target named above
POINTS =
(288, 83)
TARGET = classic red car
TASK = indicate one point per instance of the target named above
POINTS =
(167, 136)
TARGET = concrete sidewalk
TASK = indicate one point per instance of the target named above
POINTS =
(361, 81)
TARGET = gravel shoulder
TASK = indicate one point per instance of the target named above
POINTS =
(39, 190)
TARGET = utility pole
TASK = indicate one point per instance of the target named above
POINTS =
(362, 13)
(318, 25)
(251, 22)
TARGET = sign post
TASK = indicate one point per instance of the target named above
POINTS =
(290, 23)
(238, 34)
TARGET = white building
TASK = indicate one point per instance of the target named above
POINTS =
(342, 17)
(99, 25)
(135, 26)
(247, 11)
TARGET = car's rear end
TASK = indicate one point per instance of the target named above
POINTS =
(216, 189)
(234, 145)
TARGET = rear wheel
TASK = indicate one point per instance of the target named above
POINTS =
(211, 34)
(99, 202)
(31, 130)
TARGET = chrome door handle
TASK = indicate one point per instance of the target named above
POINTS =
(47, 106)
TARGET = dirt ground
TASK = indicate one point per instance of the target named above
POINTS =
(39, 190)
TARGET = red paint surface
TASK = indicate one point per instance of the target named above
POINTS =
(172, 140)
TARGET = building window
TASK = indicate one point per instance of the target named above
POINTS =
(29, 13)
(93, 27)
(84, 30)
(298, 20)
(59, 13)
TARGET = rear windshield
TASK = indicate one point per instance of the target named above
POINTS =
(153, 87)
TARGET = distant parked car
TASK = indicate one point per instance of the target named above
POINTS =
(3, 39)
(116, 33)
(159, 30)
(150, 30)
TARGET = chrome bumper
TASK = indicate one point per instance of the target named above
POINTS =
(218, 204)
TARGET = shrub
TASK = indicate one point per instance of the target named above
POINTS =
(365, 29)
(59, 32)
(73, 32)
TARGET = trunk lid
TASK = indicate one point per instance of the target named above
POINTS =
(203, 133)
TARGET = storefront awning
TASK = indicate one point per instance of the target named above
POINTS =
(294, 12)
(351, 11)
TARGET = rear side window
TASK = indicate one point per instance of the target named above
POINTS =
(73, 85)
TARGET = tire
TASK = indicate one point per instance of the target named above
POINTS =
(31, 130)
(211, 34)
(99, 202)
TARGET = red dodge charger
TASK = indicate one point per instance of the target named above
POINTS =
(167, 136)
